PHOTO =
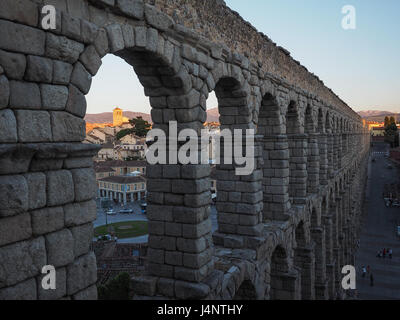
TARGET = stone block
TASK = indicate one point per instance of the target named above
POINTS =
(83, 236)
(82, 273)
(24, 95)
(129, 35)
(27, 256)
(33, 126)
(62, 72)
(80, 213)
(61, 286)
(13, 195)
(84, 183)
(131, 8)
(101, 43)
(14, 64)
(39, 69)
(62, 48)
(20, 38)
(91, 60)
(144, 285)
(15, 228)
(8, 126)
(47, 220)
(36, 190)
(71, 26)
(53, 97)
(81, 78)
(60, 187)
(76, 103)
(22, 291)
(115, 37)
(22, 11)
(54, 242)
(89, 31)
(67, 127)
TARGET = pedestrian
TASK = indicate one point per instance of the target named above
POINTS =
(390, 253)
(384, 253)
(364, 271)
(371, 278)
(368, 269)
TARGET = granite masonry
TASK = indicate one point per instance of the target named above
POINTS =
(284, 232)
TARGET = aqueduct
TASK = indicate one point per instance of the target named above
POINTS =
(284, 232)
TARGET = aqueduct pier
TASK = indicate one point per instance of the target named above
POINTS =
(284, 232)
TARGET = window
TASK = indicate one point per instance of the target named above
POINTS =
(143, 186)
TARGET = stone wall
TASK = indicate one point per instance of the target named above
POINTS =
(307, 140)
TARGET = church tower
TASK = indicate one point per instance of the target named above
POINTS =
(117, 117)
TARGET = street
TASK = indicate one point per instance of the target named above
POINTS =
(379, 231)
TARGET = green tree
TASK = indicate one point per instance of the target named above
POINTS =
(391, 133)
(115, 289)
(140, 126)
(123, 133)
(386, 121)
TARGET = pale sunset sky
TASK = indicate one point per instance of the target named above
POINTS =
(362, 66)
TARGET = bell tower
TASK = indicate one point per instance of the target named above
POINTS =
(117, 117)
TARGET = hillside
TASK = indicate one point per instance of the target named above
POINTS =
(378, 116)
(107, 117)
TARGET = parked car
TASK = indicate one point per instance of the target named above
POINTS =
(126, 211)
(144, 207)
(111, 212)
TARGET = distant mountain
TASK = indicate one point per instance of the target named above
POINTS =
(377, 115)
(107, 117)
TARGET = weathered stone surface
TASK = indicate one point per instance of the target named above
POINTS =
(8, 126)
(80, 213)
(157, 18)
(24, 95)
(55, 241)
(86, 294)
(37, 190)
(57, 181)
(47, 220)
(144, 285)
(20, 38)
(53, 97)
(83, 236)
(191, 291)
(76, 103)
(101, 43)
(13, 195)
(115, 37)
(62, 72)
(23, 11)
(27, 256)
(15, 228)
(91, 60)
(4, 92)
(39, 69)
(81, 78)
(14, 64)
(129, 35)
(132, 8)
(82, 273)
(67, 127)
(61, 286)
(71, 26)
(22, 291)
(33, 126)
(89, 31)
(62, 48)
(84, 183)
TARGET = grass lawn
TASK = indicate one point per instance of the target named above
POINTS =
(123, 230)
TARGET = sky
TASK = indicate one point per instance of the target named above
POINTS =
(361, 65)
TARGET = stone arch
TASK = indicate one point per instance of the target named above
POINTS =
(297, 154)
(283, 284)
(246, 291)
(275, 159)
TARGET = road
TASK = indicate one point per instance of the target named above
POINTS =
(136, 216)
(379, 231)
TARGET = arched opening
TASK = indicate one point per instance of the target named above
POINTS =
(283, 285)
(239, 194)
(312, 152)
(304, 262)
(297, 155)
(323, 149)
(275, 160)
(246, 291)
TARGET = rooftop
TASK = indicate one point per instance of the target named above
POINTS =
(124, 179)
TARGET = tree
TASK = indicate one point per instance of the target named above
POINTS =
(140, 126)
(123, 133)
(391, 133)
(386, 121)
(116, 289)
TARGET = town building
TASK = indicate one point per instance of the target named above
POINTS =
(123, 189)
